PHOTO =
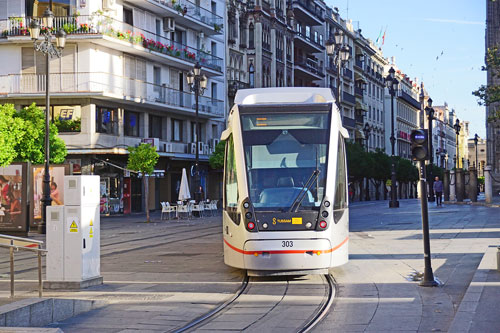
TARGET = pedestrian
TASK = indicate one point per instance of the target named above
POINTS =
(438, 190)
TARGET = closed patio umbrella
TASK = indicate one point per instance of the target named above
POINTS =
(184, 189)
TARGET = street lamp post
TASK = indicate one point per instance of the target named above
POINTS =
(430, 116)
(457, 128)
(197, 83)
(393, 85)
(367, 131)
(335, 47)
(47, 47)
(476, 139)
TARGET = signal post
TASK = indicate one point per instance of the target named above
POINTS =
(420, 152)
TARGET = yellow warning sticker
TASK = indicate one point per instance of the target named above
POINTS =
(296, 220)
(91, 222)
(73, 227)
(91, 233)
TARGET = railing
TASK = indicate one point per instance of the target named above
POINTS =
(348, 122)
(348, 73)
(310, 65)
(358, 91)
(358, 63)
(96, 82)
(24, 244)
(103, 25)
(310, 40)
(189, 9)
(346, 97)
(311, 8)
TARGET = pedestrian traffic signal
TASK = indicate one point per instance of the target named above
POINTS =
(419, 145)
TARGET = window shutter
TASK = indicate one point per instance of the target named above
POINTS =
(129, 67)
(141, 70)
(3, 10)
(68, 59)
(27, 59)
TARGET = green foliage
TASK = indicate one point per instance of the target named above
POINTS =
(405, 170)
(68, 125)
(142, 158)
(488, 95)
(31, 145)
(216, 160)
(22, 136)
(69, 28)
(436, 171)
(359, 162)
(381, 168)
(480, 180)
(11, 130)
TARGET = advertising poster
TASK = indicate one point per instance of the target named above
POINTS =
(13, 195)
(56, 189)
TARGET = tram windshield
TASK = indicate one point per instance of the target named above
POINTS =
(286, 159)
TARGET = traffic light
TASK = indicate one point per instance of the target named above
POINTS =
(419, 144)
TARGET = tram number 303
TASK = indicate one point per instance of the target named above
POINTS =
(287, 244)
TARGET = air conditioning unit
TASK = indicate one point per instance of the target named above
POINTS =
(168, 24)
(169, 148)
(193, 148)
(108, 4)
(155, 142)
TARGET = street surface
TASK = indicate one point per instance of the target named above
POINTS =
(162, 275)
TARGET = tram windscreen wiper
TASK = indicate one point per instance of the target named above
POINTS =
(303, 191)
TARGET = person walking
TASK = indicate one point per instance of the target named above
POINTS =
(438, 190)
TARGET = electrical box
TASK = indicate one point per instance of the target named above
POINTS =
(73, 236)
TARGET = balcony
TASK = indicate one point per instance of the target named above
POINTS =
(126, 38)
(358, 63)
(348, 98)
(409, 99)
(307, 43)
(186, 13)
(310, 68)
(307, 12)
(358, 91)
(348, 74)
(348, 122)
(110, 87)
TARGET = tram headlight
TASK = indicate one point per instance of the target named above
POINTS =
(323, 224)
(265, 226)
(308, 225)
(326, 203)
(246, 205)
(324, 214)
(248, 215)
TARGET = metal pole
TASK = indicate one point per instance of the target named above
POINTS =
(11, 252)
(47, 200)
(39, 272)
(458, 156)
(339, 63)
(367, 187)
(431, 160)
(394, 202)
(428, 280)
(197, 172)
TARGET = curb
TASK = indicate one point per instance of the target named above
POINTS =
(478, 203)
(36, 312)
(467, 309)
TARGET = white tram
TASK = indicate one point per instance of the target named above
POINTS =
(285, 208)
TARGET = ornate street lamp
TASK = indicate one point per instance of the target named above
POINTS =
(430, 116)
(335, 47)
(367, 131)
(476, 139)
(47, 47)
(392, 84)
(197, 83)
(457, 128)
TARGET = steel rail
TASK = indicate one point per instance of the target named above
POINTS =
(323, 310)
(207, 316)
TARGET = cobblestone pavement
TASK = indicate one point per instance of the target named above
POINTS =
(161, 275)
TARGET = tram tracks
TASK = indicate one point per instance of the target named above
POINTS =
(237, 305)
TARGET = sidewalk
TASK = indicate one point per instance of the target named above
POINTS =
(481, 201)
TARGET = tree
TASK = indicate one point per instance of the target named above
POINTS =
(489, 94)
(358, 164)
(143, 159)
(380, 170)
(26, 128)
(216, 160)
(11, 130)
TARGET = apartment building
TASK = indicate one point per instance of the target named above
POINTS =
(122, 79)
(478, 150)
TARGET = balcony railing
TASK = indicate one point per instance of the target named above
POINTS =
(310, 65)
(200, 14)
(358, 91)
(309, 6)
(123, 88)
(103, 25)
(348, 73)
(310, 40)
(348, 98)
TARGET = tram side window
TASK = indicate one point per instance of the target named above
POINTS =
(230, 176)
(340, 181)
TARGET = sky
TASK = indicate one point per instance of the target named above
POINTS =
(440, 42)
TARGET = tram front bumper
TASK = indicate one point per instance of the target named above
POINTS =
(287, 254)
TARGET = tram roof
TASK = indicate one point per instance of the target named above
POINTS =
(286, 95)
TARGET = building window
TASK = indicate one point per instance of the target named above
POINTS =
(251, 75)
(157, 78)
(193, 132)
(131, 122)
(155, 127)
(128, 16)
(176, 130)
(251, 37)
(106, 120)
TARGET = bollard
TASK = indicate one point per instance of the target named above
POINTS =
(446, 185)
(453, 182)
(498, 258)
(459, 185)
(488, 185)
(472, 184)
